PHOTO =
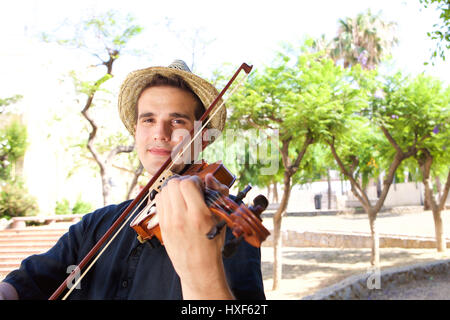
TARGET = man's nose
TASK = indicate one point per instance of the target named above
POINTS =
(162, 131)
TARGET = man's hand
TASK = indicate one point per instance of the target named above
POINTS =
(185, 220)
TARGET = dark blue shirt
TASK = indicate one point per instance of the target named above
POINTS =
(127, 269)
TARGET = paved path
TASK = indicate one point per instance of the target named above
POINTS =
(307, 270)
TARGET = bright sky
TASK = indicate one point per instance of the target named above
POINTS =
(249, 30)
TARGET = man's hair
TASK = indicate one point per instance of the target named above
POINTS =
(175, 81)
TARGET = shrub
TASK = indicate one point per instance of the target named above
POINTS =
(63, 207)
(13, 143)
(16, 202)
(81, 207)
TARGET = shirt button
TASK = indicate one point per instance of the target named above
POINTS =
(124, 283)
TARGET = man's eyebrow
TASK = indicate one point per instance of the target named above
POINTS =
(146, 114)
(179, 115)
(172, 115)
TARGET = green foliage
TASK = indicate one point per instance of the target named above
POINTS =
(13, 143)
(303, 95)
(111, 30)
(314, 165)
(15, 201)
(81, 207)
(441, 32)
(365, 40)
(8, 101)
(63, 207)
(416, 111)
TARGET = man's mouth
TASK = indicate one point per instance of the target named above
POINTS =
(160, 151)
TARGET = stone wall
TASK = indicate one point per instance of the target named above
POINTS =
(331, 239)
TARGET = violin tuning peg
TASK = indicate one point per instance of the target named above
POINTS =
(216, 230)
(260, 204)
(241, 195)
(153, 194)
(230, 247)
(261, 201)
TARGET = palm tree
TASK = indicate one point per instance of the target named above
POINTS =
(365, 39)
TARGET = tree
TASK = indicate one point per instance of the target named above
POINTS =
(420, 106)
(363, 40)
(194, 40)
(13, 144)
(6, 102)
(13, 138)
(441, 32)
(375, 137)
(294, 97)
(14, 197)
(111, 35)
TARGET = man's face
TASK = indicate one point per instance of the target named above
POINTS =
(163, 114)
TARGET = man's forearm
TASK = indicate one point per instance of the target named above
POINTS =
(8, 292)
(216, 291)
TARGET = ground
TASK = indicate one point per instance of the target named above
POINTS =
(307, 270)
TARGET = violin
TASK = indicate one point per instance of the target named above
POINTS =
(245, 222)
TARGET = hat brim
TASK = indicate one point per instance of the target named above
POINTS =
(137, 80)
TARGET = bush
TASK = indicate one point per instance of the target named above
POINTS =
(16, 202)
(13, 143)
(81, 207)
(63, 207)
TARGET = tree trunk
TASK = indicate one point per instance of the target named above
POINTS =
(106, 188)
(375, 254)
(275, 192)
(361, 195)
(329, 188)
(134, 182)
(426, 202)
(277, 238)
(438, 188)
(441, 243)
(425, 165)
(290, 169)
(277, 252)
(379, 186)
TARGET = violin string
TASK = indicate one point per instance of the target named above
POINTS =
(105, 247)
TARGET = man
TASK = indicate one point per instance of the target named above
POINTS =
(154, 104)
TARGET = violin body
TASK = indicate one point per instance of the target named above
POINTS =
(244, 222)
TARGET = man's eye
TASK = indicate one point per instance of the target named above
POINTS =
(149, 120)
(179, 121)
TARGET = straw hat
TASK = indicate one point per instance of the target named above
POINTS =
(134, 83)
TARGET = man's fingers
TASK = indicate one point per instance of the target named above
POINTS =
(212, 183)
